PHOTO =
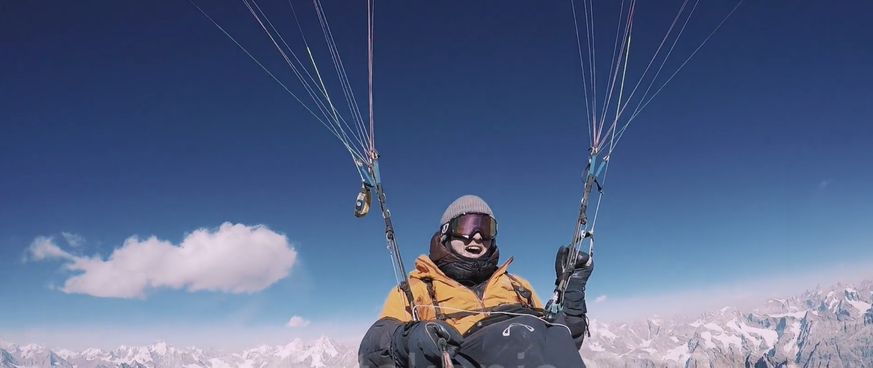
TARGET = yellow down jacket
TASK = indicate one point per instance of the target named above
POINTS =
(457, 304)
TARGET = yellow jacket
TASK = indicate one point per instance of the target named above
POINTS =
(461, 306)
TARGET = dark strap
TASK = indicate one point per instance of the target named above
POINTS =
(432, 294)
(521, 291)
(438, 310)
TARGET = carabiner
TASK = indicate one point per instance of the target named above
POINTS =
(362, 202)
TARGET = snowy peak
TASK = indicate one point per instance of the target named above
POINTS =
(322, 353)
(259, 351)
(31, 355)
(132, 354)
(296, 344)
(845, 301)
(327, 346)
(161, 348)
(31, 350)
(809, 329)
(92, 354)
(324, 350)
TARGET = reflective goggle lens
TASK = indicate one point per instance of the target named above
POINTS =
(465, 226)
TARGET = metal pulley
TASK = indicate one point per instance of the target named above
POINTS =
(362, 202)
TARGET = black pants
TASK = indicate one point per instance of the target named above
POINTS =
(520, 342)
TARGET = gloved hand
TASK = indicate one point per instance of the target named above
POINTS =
(574, 297)
(419, 341)
(581, 270)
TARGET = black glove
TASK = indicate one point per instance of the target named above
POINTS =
(574, 297)
(580, 273)
(419, 341)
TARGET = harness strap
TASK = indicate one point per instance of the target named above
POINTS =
(432, 294)
(522, 291)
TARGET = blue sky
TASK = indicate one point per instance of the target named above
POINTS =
(746, 177)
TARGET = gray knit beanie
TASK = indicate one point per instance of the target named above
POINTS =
(465, 204)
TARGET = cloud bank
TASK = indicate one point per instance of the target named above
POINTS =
(234, 258)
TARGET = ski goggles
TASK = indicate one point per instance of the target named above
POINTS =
(467, 225)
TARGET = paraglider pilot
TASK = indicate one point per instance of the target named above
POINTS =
(485, 315)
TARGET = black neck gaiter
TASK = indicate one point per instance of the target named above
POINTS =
(467, 271)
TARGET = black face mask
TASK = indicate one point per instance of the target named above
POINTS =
(465, 270)
(469, 271)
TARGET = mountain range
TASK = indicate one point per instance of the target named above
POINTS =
(824, 327)
(323, 353)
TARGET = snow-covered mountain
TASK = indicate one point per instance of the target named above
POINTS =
(323, 353)
(824, 327)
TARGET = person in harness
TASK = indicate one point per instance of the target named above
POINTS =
(473, 311)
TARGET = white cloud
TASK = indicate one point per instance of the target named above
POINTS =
(751, 293)
(74, 240)
(297, 321)
(600, 299)
(234, 258)
(44, 247)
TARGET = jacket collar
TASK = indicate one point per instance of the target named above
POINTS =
(426, 268)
